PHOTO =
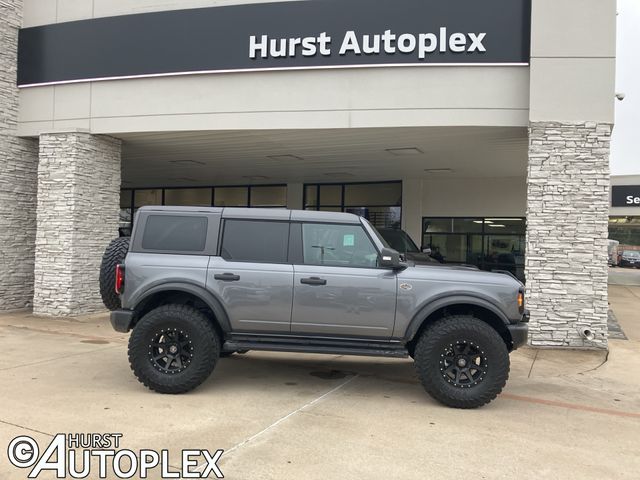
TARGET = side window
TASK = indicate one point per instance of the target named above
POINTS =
(255, 241)
(180, 233)
(337, 246)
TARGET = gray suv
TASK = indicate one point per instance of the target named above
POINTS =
(195, 284)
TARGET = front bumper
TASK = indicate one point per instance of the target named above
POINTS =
(519, 334)
(121, 320)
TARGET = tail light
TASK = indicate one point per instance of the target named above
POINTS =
(119, 279)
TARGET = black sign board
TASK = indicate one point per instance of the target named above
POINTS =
(625, 196)
(280, 35)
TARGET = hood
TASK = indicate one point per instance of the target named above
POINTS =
(414, 258)
(458, 273)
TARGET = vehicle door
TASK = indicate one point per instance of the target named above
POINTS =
(339, 289)
(251, 274)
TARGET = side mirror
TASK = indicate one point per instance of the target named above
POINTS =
(390, 258)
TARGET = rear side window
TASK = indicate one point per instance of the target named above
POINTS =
(181, 233)
(255, 241)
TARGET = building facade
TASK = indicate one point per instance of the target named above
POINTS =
(480, 128)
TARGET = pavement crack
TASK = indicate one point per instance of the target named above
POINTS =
(26, 428)
(606, 359)
(533, 363)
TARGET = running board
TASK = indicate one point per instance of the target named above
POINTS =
(315, 345)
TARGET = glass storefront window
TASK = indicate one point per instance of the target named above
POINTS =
(148, 197)
(231, 196)
(378, 202)
(331, 195)
(489, 243)
(379, 217)
(126, 211)
(271, 196)
(373, 194)
(197, 197)
(505, 225)
(437, 225)
(467, 225)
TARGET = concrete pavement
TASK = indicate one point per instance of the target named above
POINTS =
(563, 414)
(624, 276)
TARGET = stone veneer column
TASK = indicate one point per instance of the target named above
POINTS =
(567, 230)
(77, 216)
(18, 164)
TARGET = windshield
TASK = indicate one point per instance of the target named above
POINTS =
(399, 240)
(631, 253)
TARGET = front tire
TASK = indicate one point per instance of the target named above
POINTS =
(462, 362)
(173, 349)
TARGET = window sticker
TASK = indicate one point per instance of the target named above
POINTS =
(348, 240)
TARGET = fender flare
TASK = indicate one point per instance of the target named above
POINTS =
(420, 317)
(207, 297)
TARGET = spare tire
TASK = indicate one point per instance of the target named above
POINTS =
(113, 255)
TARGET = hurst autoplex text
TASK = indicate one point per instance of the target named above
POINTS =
(421, 45)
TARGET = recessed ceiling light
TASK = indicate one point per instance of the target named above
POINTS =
(496, 225)
(405, 151)
(186, 162)
(285, 158)
(438, 170)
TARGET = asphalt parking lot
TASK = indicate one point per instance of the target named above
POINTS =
(563, 414)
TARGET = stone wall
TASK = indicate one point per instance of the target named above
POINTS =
(77, 216)
(18, 164)
(567, 230)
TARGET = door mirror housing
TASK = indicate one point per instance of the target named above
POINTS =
(390, 258)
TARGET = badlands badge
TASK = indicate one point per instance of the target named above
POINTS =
(406, 286)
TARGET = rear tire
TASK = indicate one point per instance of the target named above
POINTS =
(173, 349)
(114, 254)
(462, 362)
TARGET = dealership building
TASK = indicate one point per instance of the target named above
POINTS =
(481, 128)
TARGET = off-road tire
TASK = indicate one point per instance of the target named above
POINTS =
(431, 350)
(198, 332)
(113, 255)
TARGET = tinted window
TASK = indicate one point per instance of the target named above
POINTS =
(182, 233)
(255, 241)
(399, 241)
(337, 245)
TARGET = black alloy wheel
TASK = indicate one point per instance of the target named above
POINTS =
(173, 348)
(462, 361)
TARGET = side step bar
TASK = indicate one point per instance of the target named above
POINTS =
(315, 345)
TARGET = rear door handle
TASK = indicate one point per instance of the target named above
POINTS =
(313, 281)
(227, 277)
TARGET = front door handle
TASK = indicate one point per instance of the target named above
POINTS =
(313, 281)
(227, 277)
